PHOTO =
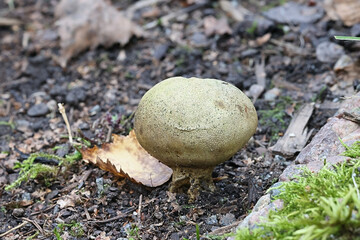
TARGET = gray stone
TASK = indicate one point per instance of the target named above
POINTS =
(160, 51)
(18, 212)
(38, 110)
(94, 110)
(291, 172)
(329, 52)
(272, 94)
(276, 189)
(76, 95)
(100, 185)
(294, 13)
(262, 202)
(211, 220)
(228, 219)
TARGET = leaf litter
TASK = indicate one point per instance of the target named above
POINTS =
(89, 23)
(125, 157)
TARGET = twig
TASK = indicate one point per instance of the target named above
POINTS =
(63, 114)
(13, 229)
(139, 210)
(11, 83)
(226, 229)
(108, 135)
(35, 224)
(121, 215)
(9, 21)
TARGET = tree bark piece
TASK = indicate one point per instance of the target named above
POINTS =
(296, 135)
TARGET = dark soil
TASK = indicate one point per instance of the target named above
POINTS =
(96, 85)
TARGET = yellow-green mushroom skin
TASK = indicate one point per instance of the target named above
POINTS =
(193, 124)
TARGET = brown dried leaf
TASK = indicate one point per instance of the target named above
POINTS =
(346, 10)
(89, 23)
(125, 157)
(216, 26)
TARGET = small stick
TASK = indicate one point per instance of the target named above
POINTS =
(35, 224)
(63, 114)
(13, 229)
(139, 210)
(121, 215)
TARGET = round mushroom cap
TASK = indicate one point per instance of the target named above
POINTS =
(192, 122)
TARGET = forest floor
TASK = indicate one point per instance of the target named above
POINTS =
(281, 62)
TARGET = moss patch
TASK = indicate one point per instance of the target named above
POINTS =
(31, 170)
(325, 205)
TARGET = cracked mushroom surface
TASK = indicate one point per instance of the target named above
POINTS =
(192, 125)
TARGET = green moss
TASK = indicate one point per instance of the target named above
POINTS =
(325, 205)
(74, 228)
(31, 170)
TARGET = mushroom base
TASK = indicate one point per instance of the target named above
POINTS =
(199, 179)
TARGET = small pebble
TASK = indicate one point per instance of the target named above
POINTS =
(100, 185)
(272, 94)
(211, 220)
(94, 110)
(228, 219)
(276, 192)
(38, 110)
(329, 52)
(26, 196)
(84, 126)
(160, 51)
(18, 212)
(75, 96)
(158, 215)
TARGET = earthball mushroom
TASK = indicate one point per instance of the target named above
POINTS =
(193, 124)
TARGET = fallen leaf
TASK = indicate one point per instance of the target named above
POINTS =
(347, 11)
(263, 39)
(125, 157)
(86, 24)
(234, 10)
(216, 26)
(69, 200)
(102, 236)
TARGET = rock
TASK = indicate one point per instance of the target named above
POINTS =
(261, 203)
(100, 185)
(343, 63)
(38, 110)
(355, 30)
(26, 196)
(94, 110)
(160, 51)
(329, 52)
(228, 219)
(277, 191)
(63, 150)
(18, 212)
(199, 40)
(249, 53)
(295, 13)
(291, 172)
(211, 220)
(158, 215)
(76, 95)
(272, 94)
(84, 126)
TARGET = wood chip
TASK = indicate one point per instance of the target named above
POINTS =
(297, 135)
